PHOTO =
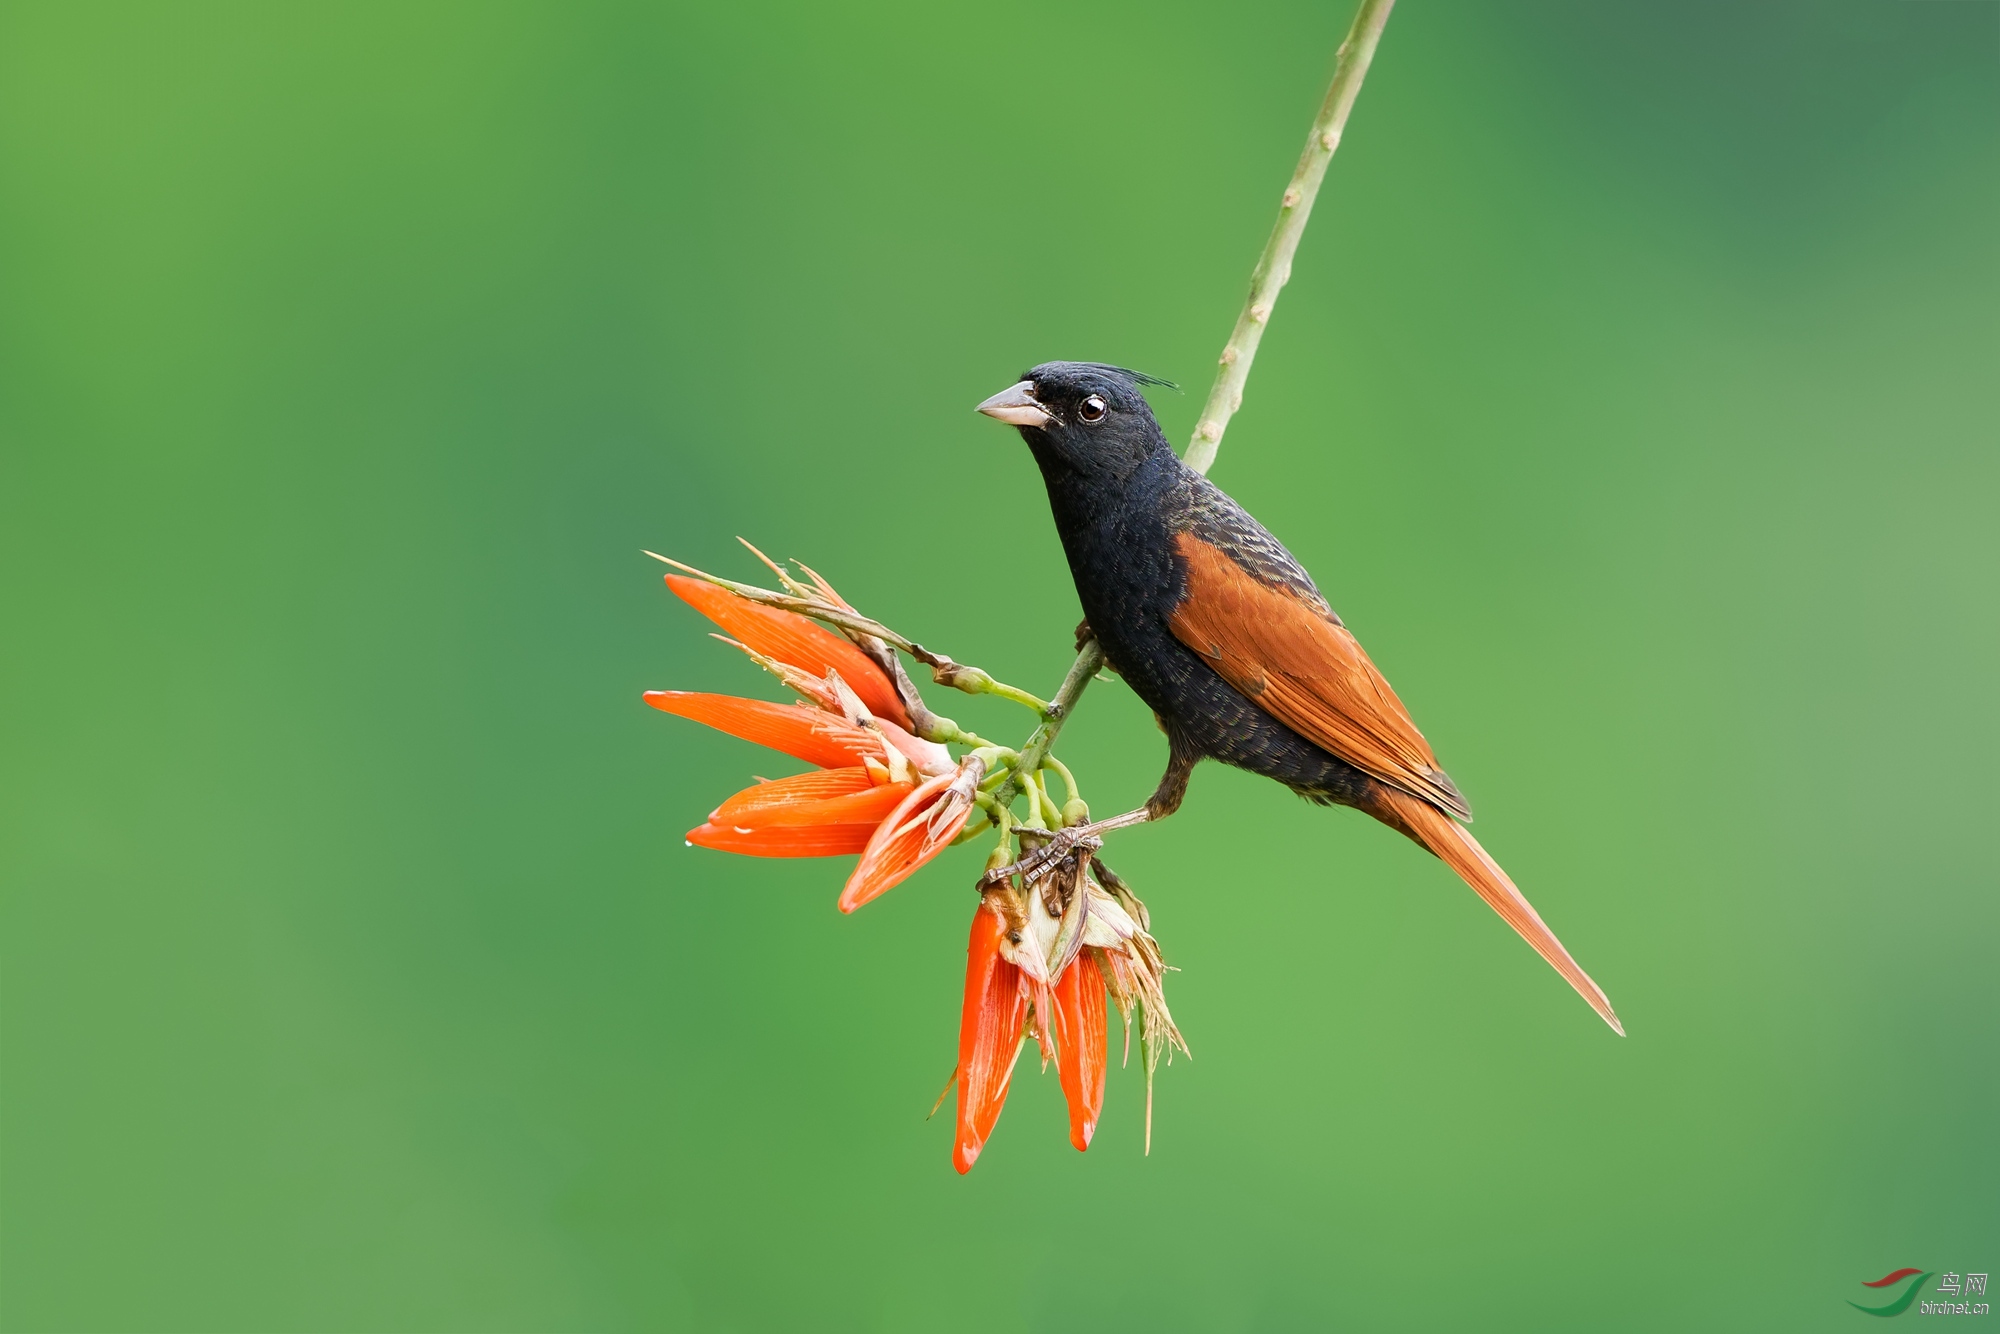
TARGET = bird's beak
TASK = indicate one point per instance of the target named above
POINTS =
(1016, 406)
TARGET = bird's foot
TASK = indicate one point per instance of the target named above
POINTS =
(1040, 863)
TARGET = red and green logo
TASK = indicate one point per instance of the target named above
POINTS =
(1902, 1303)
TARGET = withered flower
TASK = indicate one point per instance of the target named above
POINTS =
(1043, 962)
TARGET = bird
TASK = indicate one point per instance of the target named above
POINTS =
(1216, 626)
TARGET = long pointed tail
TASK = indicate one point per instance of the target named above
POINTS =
(1459, 850)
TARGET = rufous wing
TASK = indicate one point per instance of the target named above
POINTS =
(1300, 665)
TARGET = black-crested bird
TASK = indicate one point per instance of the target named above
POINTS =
(1213, 624)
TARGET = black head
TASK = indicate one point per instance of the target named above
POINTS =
(1083, 417)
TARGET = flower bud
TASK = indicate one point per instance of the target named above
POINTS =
(961, 677)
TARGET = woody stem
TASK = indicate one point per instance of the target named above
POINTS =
(1274, 266)
(1086, 666)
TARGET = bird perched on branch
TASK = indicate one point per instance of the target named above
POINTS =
(1213, 624)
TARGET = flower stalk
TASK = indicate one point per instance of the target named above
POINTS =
(1274, 265)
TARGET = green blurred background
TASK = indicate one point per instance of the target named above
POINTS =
(1634, 400)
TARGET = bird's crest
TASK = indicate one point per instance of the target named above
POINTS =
(1105, 367)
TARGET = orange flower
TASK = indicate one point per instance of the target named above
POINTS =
(879, 791)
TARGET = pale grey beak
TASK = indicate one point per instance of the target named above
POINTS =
(1016, 406)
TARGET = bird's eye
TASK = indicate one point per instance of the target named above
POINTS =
(1091, 409)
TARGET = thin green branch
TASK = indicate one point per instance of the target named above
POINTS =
(982, 684)
(1274, 266)
(1086, 666)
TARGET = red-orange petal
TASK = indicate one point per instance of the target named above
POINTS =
(869, 808)
(816, 785)
(825, 840)
(812, 735)
(1080, 1059)
(825, 827)
(902, 843)
(791, 638)
(989, 1036)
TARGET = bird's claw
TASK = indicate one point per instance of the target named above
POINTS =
(1043, 861)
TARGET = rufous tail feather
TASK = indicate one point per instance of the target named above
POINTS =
(1458, 849)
